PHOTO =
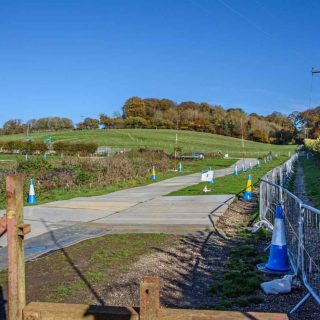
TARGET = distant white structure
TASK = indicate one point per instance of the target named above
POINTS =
(226, 156)
(105, 150)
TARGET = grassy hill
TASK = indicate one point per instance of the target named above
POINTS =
(190, 141)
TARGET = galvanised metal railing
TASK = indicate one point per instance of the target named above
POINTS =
(302, 223)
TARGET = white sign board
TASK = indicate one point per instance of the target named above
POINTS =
(207, 176)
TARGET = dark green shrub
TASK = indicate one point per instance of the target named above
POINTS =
(33, 165)
(83, 177)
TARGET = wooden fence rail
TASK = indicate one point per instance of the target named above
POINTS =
(150, 308)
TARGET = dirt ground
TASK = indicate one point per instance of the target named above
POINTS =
(187, 267)
(187, 270)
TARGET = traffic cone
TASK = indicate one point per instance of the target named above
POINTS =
(180, 167)
(235, 171)
(278, 257)
(248, 193)
(265, 160)
(32, 196)
(250, 165)
(153, 177)
(243, 168)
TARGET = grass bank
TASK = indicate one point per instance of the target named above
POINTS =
(231, 184)
(311, 168)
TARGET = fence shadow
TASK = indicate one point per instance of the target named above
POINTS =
(73, 266)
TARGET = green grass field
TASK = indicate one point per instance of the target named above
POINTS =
(190, 141)
(230, 184)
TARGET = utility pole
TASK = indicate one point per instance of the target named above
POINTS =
(242, 142)
(306, 132)
(176, 146)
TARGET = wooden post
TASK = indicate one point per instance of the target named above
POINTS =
(150, 298)
(15, 233)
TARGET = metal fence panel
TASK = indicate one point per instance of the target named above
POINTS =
(302, 226)
(310, 252)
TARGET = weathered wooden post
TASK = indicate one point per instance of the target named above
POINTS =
(150, 298)
(15, 232)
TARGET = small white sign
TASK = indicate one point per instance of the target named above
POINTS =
(207, 176)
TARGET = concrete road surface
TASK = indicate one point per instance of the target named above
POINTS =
(140, 209)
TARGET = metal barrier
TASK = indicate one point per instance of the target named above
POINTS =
(310, 254)
(302, 224)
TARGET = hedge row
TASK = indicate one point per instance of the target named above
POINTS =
(23, 146)
(66, 148)
(75, 148)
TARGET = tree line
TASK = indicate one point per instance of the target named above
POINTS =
(153, 113)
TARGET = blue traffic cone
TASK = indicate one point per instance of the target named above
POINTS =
(248, 193)
(243, 167)
(235, 171)
(278, 257)
(250, 165)
(32, 199)
(154, 177)
(180, 167)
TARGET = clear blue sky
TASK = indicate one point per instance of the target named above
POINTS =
(81, 58)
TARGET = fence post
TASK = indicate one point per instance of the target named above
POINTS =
(260, 200)
(300, 241)
(15, 233)
(149, 298)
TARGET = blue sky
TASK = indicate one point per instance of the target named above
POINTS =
(78, 58)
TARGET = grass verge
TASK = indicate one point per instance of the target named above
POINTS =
(241, 279)
(311, 170)
(230, 184)
(78, 274)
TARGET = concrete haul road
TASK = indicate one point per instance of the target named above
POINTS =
(142, 209)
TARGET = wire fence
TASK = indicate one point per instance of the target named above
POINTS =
(302, 224)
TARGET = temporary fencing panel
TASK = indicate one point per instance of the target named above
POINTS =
(302, 226)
